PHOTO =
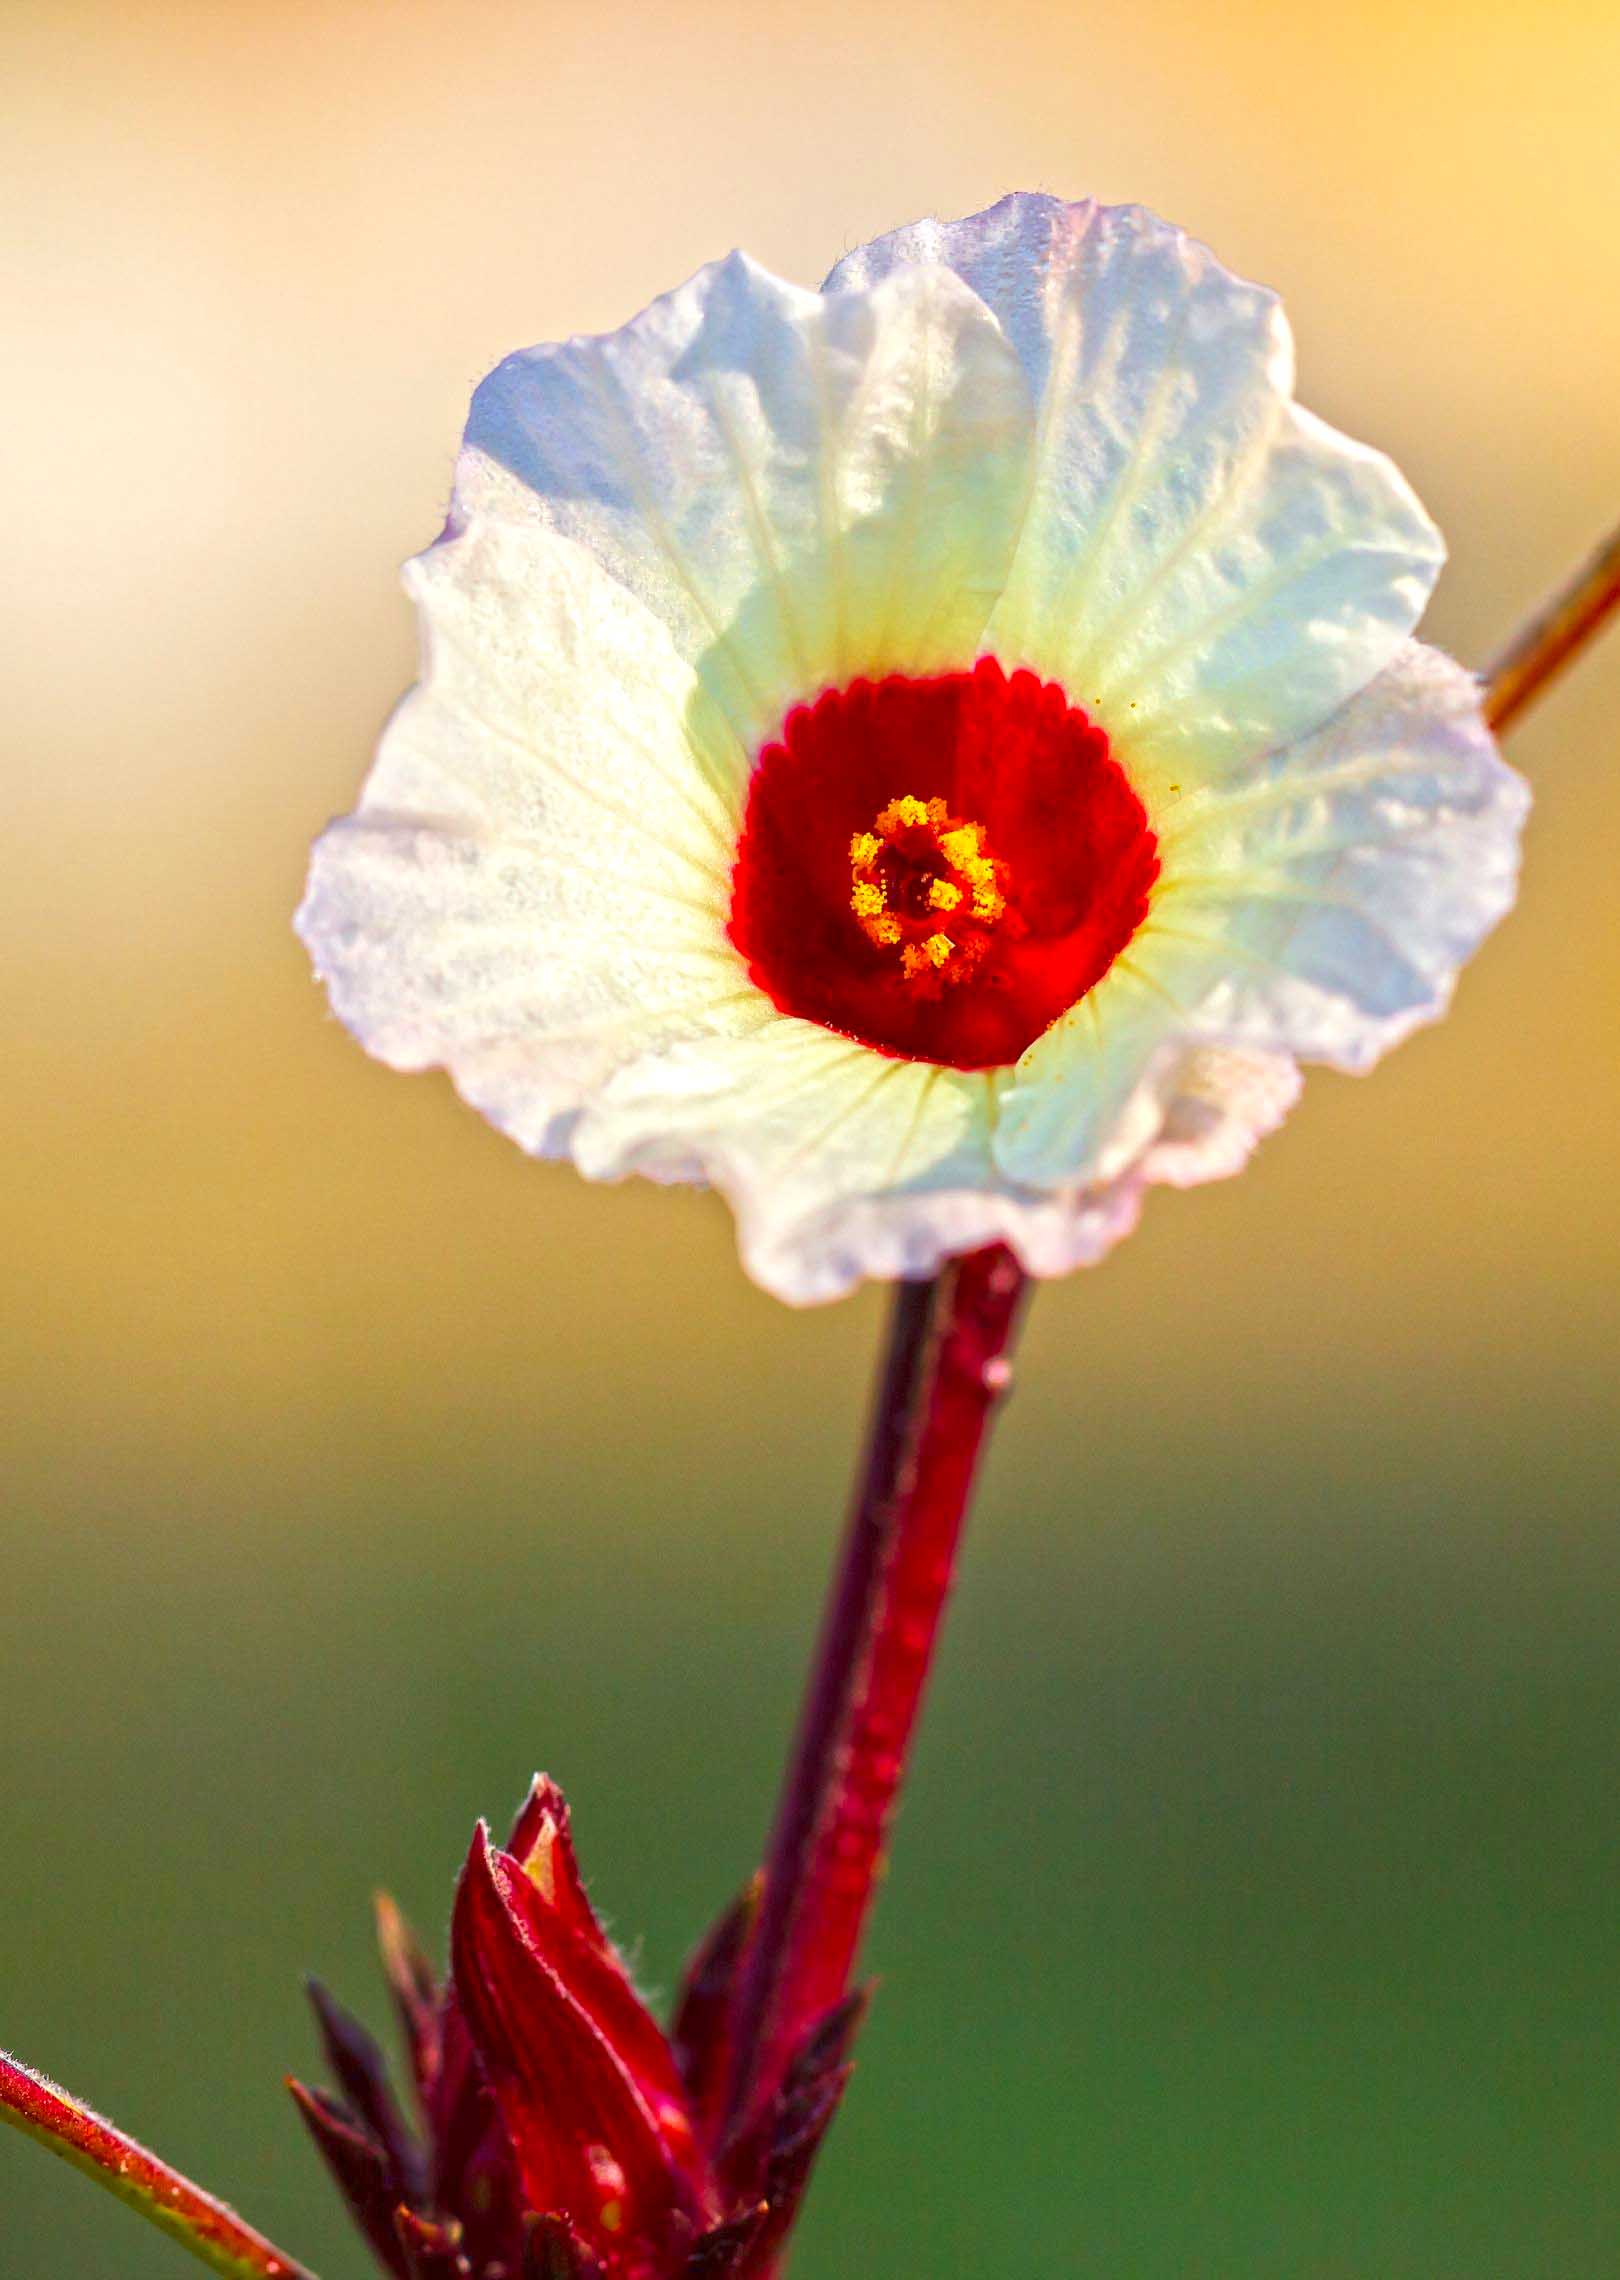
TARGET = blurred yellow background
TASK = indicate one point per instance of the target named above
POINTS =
(1254, 1913)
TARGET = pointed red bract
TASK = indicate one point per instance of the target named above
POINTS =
(416, 1994)
(701, 2030)
(780, 2149)
(726, 2252)
(542, 1843)
(360, 2170)
(561, 1930)
(362, 2075)
(585, 2082)
(475, 2178)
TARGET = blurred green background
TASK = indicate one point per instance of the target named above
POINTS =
(1255, 1909)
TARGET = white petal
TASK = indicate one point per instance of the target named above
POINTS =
(552, 705)
(1324, 901)
(1221, 1104)
(801, 488)
(1317, 907)
(1206, 568)
(1090, 1098)
(534, 886)
(839, 1162)
(824, 1254)
(789, 1118)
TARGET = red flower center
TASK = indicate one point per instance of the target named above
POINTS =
(939, 867)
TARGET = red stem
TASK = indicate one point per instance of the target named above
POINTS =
(196, 2219)
(946, 1369)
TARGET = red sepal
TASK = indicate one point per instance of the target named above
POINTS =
(726, 2251)
(542, 1844)
(700, 2031)
(362, 2076)
(474, 2176)
(780, 2150)
(415, 1990)
(587, 2086)
(360, 2169)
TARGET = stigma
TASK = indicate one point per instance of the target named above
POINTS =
(923, 884)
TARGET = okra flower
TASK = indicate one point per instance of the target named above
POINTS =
(929, 757)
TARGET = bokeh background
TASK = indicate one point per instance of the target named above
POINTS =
(1255, 1910)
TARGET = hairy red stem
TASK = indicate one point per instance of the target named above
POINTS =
(946, 1368)
(196, 2219)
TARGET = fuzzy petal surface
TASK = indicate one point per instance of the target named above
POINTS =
(532, 888)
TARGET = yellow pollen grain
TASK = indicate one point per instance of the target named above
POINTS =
(929, 956)
(942, 895)
(908, 812)
(867, 898)
(864, 849)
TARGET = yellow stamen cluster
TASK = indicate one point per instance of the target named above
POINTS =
(915, 835)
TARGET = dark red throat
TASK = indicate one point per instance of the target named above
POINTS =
(939, 868)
